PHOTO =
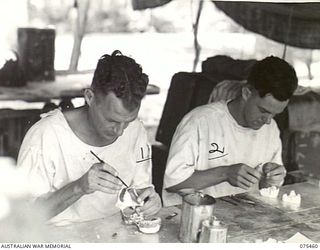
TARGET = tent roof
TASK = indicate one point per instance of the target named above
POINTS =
(293, 24)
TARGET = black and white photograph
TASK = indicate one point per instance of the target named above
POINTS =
(159, 121)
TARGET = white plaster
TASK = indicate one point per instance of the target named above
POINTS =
(270, 192)
(150, 226)
(292, 198)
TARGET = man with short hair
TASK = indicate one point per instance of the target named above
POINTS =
(68, 179)
(218, 148)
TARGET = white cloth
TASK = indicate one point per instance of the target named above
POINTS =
(209, 137)
(54, 156)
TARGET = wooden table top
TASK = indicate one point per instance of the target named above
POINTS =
(271, 218)
(246, 222)
(64, 86)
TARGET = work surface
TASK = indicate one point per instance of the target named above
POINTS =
(63, 87)
(266, 218)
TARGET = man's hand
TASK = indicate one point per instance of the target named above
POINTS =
(226, 90)
(241, 175)
(152, 203)
(98, 179)
(273, 175)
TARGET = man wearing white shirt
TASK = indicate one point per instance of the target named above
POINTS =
(67, 179)
(218, 147)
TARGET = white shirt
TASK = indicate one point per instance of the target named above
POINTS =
(54, 156)
(209, 137)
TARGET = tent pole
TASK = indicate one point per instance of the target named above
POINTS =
(195, 27)
(284, 52)
(287, 34)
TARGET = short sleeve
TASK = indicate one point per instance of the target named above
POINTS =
(34, 160)
(182, 159)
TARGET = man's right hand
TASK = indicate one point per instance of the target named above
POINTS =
(243, 176)
(98, 179)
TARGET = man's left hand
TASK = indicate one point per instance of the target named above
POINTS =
(152, 200)
(274, 173)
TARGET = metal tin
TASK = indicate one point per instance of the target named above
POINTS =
(213, 231)
(196, 207)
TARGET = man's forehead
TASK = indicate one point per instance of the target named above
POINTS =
(272, 105)
(114, 106)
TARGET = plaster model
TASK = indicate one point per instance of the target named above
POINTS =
(292, 198)
(270, 192)
(150, 226)
(127, 203)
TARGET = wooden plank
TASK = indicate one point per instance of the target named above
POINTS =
(113, 230)
(67, 86)
(305, 215)
(246, 222)
(245, 219)
(310, 198)
(282, 233)
(241, 221)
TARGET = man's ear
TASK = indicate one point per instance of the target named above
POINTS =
(246, 93)
(89, 96)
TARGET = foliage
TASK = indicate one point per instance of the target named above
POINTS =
(104, 16)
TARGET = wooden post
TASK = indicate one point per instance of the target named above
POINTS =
(82, 7)
(195, 27)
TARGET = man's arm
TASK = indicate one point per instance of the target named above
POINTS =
(96, 179)
(54, 203)
(238, 175)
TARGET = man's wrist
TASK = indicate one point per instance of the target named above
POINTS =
(77, 188)
(224, 173)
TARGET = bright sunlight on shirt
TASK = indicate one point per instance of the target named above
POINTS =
(210, 137)
(54, 156)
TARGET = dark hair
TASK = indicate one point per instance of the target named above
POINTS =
(122, 76)
(275, 76)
